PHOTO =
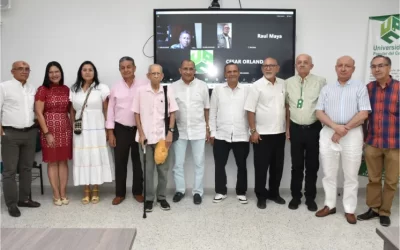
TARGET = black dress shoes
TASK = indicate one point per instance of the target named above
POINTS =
(311, 205)
(178, 197)
(14, 211)
(370, 214)
(197, 199)
(262, 203)
(279, 200)
(294, 204)
(384, 220)
(28, 203)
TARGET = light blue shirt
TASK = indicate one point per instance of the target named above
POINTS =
(342, 103)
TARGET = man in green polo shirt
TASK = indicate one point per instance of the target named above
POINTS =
(302, 129)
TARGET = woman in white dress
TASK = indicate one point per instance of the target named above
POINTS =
(92, 164)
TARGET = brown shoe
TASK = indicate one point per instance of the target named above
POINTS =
(139, 198)
(351, 218)
(117, 200)
(325, 212)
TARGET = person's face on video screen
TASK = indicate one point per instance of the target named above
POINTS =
(270, 68)
(184, 40)
(232, 73)
(187, 71)
(226, 29)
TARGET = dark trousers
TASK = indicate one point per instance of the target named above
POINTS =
(269, 153)
(304, 147)
(125, 137)
(18, 152)
(221, 151)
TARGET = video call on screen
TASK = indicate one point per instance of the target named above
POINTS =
(213, 38)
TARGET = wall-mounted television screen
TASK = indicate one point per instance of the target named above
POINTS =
(213, 38)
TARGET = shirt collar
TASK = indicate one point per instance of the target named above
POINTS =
(387, 83)
(20, 83)
(150, 89)
(347, 83)
(268, 82)
(239, 86)
(191, 83)
(305, 78)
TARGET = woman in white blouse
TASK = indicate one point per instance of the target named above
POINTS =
(92, 164)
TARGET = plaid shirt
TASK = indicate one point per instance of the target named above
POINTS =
(383, 121)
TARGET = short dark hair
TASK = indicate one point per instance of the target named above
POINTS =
(188, 60)
(184, 32)
(388, 61)
(46, 81)
(127, 58)
(231, 63)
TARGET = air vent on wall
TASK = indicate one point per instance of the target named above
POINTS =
(5, 4)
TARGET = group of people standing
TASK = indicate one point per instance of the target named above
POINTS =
(324, 123)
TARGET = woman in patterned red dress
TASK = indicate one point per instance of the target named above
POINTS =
(52, 109)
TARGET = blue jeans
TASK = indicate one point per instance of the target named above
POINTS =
(198, 156)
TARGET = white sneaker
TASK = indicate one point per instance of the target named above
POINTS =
(219, 198)
(242, 199)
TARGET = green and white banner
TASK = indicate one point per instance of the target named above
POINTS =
(383, 39)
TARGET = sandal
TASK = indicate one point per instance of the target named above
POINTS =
(86, 199)
(95, 198)
(64, 200)
(57, 202)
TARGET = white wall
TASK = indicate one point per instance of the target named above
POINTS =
(70, 32)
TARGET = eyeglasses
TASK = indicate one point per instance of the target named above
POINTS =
(379, 66)
(269, 65)
(21, 69)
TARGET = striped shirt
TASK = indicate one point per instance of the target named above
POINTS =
(342, 103)
(383, 122)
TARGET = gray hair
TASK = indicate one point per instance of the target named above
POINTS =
(387, 59)
(152, 65)
(127, 58)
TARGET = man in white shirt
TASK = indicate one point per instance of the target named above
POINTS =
(192, 120)
(18, 137)
(230, 130)
(266, 114)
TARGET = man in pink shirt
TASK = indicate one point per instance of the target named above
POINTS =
(149, 109)
(121, 129)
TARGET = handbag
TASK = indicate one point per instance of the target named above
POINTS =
(78, 122)
(175, 134)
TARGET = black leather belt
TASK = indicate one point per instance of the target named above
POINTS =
(126, 127)
(316, 124)
(20, 129)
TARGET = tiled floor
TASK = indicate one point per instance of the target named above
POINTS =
(227, 225)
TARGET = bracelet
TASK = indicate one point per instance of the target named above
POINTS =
(252, 131)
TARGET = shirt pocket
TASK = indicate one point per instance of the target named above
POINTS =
(312, 94)
(266, 99)
(197, 99)
(394, 107)
(123, 101)
(31, 101)
(160, 104)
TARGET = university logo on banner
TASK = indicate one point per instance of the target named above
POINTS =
(383, 39)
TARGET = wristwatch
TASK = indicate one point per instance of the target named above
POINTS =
(252, 131)
(171, 129)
